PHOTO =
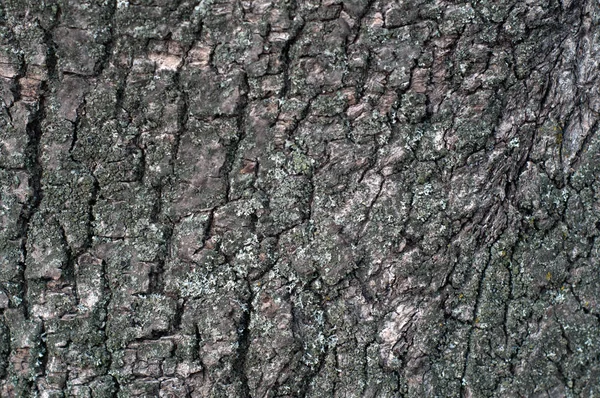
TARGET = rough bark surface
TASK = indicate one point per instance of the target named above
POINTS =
(285, 198)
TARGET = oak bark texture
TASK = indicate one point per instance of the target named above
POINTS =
(274, 198)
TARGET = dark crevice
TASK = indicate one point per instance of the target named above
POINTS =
(42, 362)
(232, 152)
(32, 162)
(156, 275)
(68, 270)
(312, 373)
(34, 168)
(90, 210)
(110, 41)
(243, 332)
(74, 138)
(295, 34)
(182, 116)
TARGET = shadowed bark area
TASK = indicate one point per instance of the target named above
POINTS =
(285, 198)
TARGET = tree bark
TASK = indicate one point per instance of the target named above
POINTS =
(285, 198)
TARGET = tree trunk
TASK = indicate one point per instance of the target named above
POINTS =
(295, 198)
